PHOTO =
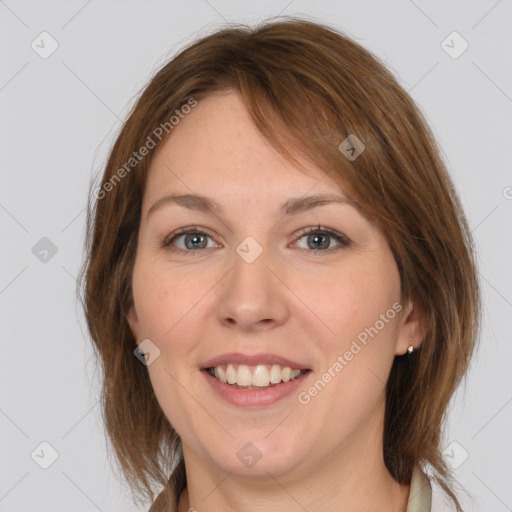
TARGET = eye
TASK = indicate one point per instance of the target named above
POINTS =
(193, 239)
(317, 239)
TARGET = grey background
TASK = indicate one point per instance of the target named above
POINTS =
(58, 117)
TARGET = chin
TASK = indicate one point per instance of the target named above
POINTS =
(257, 456)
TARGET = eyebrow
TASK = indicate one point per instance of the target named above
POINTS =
(292, 206)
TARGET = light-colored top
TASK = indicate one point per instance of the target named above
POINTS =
(420, 493)
(426, 495)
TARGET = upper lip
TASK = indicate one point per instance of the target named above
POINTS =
(252, 360)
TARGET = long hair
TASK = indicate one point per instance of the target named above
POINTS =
(309, 89)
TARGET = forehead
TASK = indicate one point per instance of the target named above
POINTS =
(217, 146)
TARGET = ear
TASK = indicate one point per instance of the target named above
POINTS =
(412, 325)
(133, 322)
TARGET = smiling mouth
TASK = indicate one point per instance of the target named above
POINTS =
(257, 377)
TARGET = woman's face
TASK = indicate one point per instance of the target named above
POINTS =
(250, 291)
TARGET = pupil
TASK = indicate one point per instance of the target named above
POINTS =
(316, 237)
(194, 239)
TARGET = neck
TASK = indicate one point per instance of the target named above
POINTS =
(351, 478)
(386, 496)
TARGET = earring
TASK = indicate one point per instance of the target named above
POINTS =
(410, 349)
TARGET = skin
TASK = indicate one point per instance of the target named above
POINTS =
(294, 301)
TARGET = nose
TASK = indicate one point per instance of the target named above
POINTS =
(254, 295)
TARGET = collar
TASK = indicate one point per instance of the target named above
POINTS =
(420, 493)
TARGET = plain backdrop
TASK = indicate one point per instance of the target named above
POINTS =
(59, 114)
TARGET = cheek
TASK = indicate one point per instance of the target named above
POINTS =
(165, 298)
(356, 337)
(350, 300)
(356, 341)
(167, 308)
(181, 411)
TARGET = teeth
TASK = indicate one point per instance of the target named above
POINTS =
(275, 374)
(231, 375)
(244, 377)
(261, 376)
(222, 374)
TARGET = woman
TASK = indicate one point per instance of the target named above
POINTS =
(280, 282)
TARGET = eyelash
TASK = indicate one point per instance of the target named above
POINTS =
(166, 243)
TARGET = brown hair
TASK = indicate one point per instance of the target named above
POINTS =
(307, 88)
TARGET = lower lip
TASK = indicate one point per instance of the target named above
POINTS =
(254, 397)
